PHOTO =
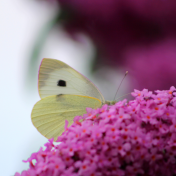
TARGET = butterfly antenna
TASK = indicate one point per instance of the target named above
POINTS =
(120, 84)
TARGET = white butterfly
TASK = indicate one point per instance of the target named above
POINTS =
(65, 93)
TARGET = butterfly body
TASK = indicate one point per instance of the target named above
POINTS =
(65, 93)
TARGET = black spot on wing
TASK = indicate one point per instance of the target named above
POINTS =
(61, 83)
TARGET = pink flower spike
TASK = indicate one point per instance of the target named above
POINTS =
(127, 138)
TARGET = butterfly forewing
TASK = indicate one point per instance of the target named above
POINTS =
(56, 77)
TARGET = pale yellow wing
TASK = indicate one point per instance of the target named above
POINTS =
(49, 114)
(56, 77)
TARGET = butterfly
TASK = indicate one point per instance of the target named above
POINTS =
(64, 93)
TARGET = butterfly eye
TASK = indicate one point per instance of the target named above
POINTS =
(61, 83)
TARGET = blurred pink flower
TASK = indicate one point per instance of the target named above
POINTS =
(106, 145)
(160, 11)
(117, 26)
(152, 66)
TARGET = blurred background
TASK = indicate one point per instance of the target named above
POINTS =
(100, 38)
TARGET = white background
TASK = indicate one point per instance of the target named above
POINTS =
(20, 23)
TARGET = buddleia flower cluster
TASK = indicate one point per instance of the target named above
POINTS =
(136, 137)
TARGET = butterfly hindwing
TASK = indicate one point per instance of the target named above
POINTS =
(49, 114)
